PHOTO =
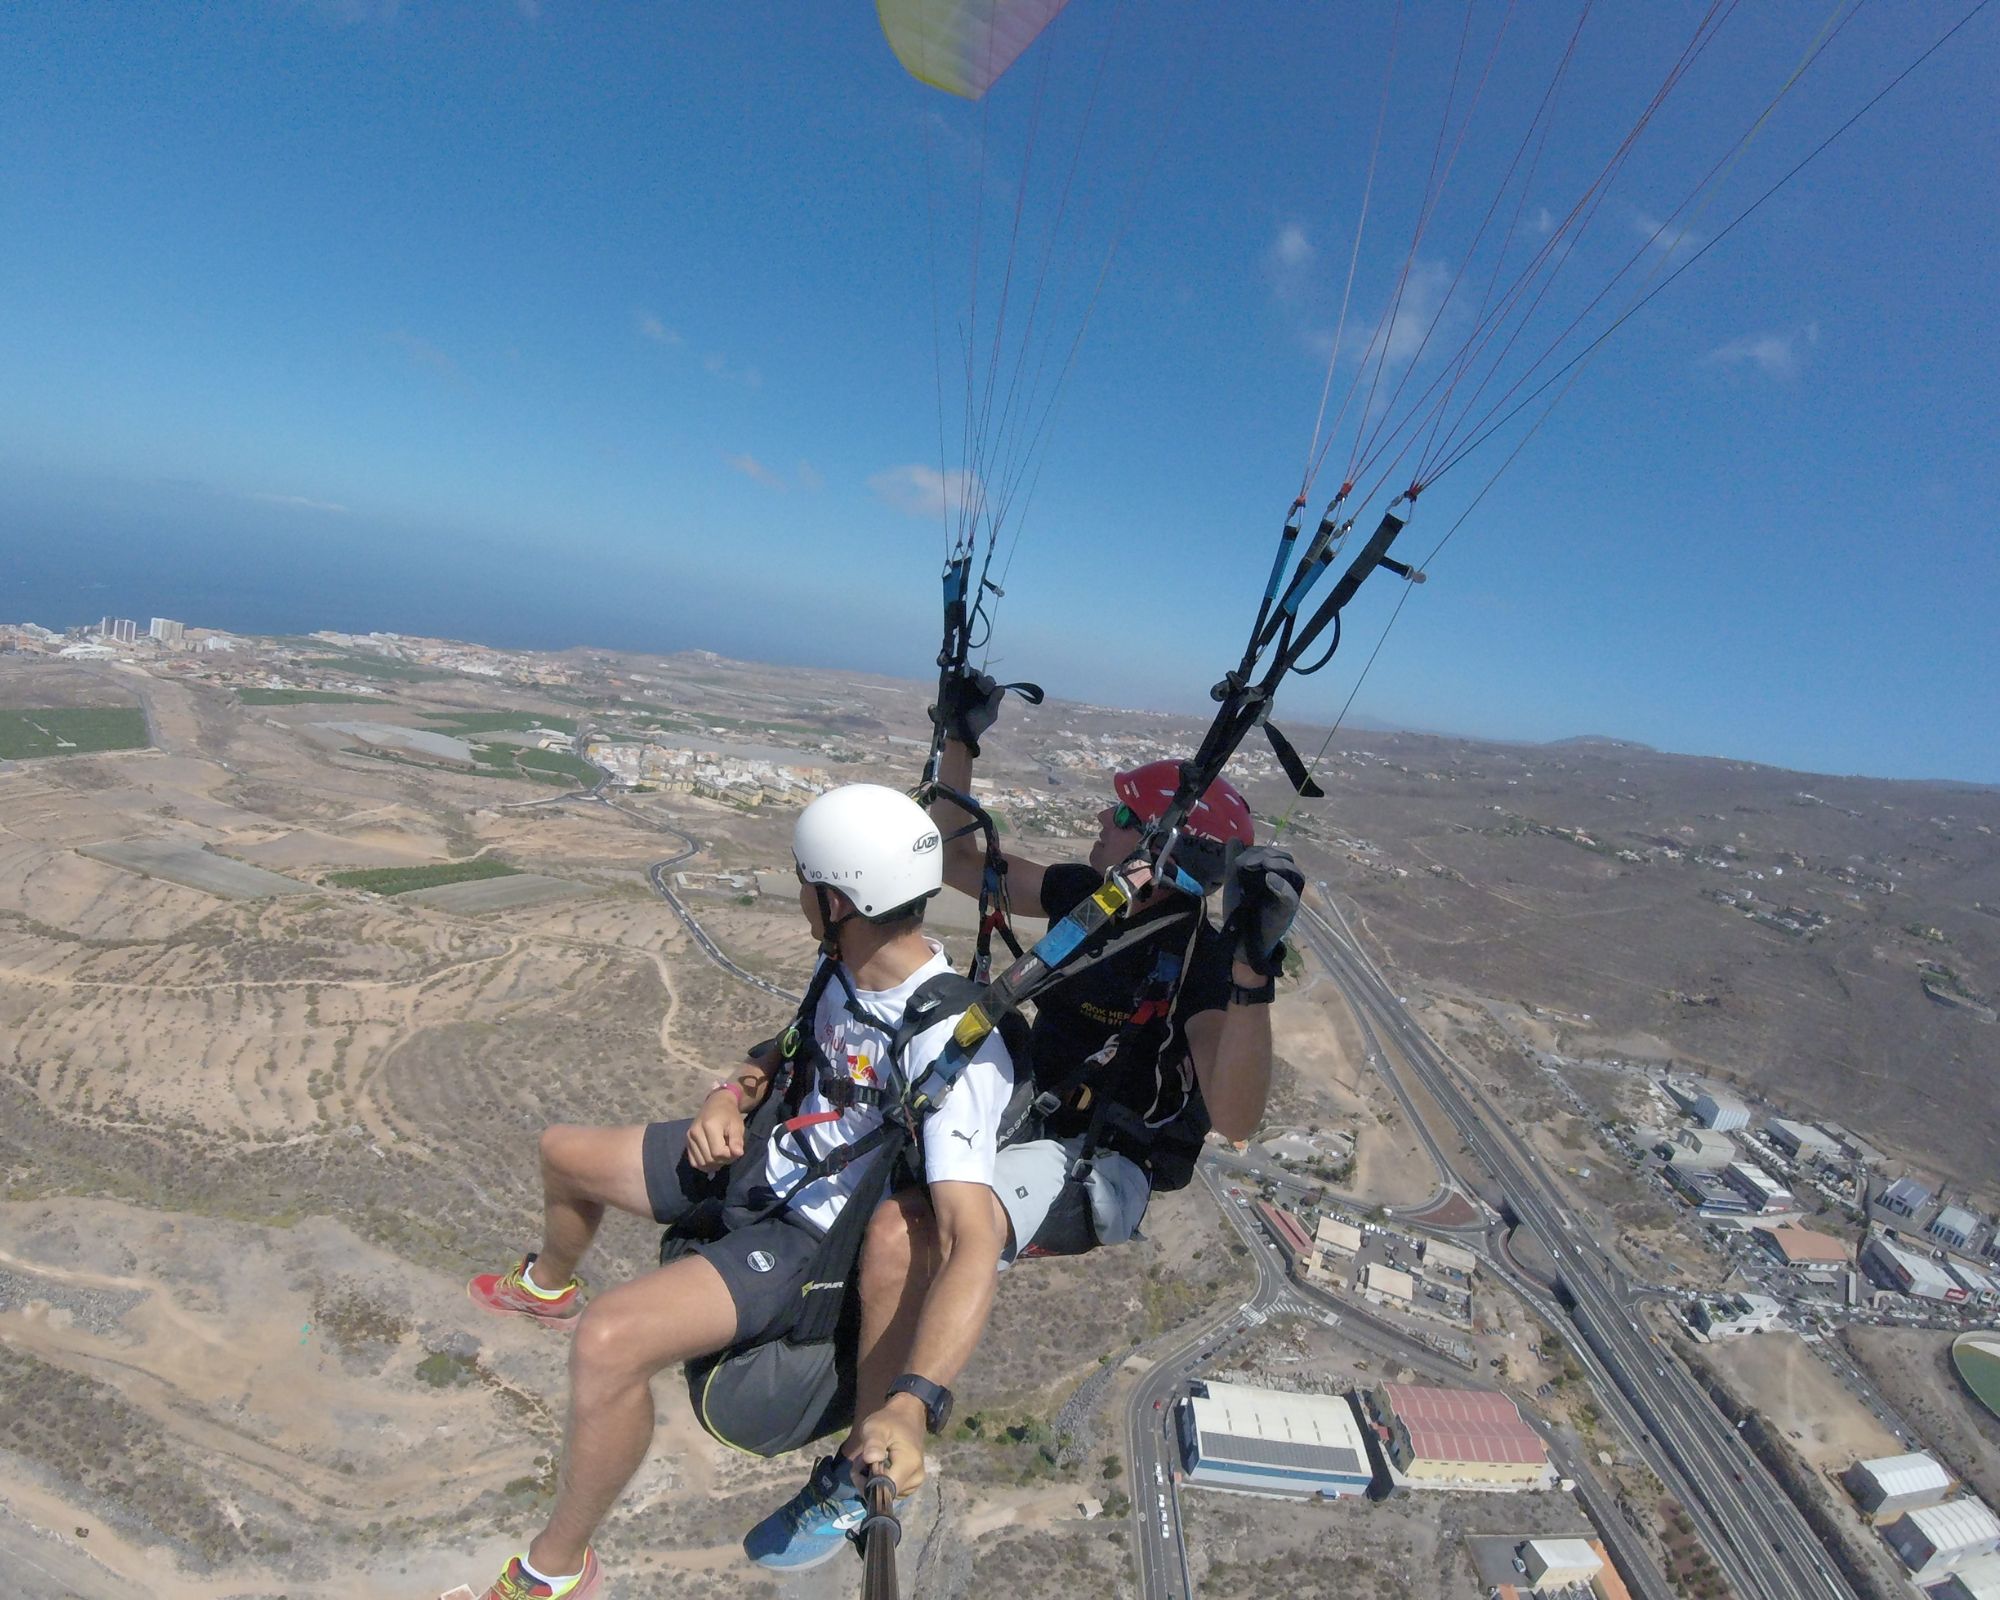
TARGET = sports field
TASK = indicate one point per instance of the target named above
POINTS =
(70, 731)
(1977, 1358)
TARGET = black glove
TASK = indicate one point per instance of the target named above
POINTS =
(1260, 897)
(970, 705)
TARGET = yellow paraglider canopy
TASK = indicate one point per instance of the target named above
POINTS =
(962, 46)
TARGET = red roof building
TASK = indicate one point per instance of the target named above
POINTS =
(1462, 1437)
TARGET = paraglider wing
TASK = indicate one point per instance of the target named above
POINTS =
(962, 46)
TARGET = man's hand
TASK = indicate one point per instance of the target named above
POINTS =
(969, 706)
(715, 1137)
(890, 1441)
(1259, 900)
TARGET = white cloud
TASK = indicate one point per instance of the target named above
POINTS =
(1665, 237)
(718, 366)
(297, 502)
(422, 353)
(809, 478)
(1288, 261)
(754, 470)
(651, 327)
(1545, 221)
(921, 491)
(1424, 292)
(1776, 355)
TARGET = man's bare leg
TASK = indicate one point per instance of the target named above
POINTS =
(583, 1171)
(670, 1315)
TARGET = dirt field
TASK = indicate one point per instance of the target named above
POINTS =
(1779, 1374)
(194, 868)
(1912, 1368)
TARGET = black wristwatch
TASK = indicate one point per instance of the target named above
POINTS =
(936, 1399)
(1253, 994)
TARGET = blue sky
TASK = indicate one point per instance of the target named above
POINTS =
(558, 323)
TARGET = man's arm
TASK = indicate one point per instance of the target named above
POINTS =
(971, 1233)
(1231, 1051)
(715, 1136)
(965, 857)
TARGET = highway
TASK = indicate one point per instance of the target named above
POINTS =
(1756, 1535)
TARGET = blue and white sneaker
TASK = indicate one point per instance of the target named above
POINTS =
(815, 1524)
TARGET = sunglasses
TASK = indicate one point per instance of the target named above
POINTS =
(1126, 817)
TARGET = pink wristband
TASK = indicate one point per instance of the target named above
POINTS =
(732, 1086)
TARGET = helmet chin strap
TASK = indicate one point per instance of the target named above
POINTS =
(829, 939)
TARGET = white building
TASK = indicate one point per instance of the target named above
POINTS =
(1262, 1441)
(1392, 1283)
(1954, 1227)
(1935, 1539)
(1559, 1563)
(1905, 1271)
(1703, 1147)
(1978, 1579)
(1734, 1315)
(1763, 1191)
(167, 631)
(1722, 1112)
(1890, 1485)
(1906, 1197)
(1799, 1140)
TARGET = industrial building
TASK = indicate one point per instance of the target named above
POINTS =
(1935, 1539)
(1978, 1579)
(1703, 1188)
(1442, 1257)
(1893, 1267)
(1803, 1248)
(1341, 1238)
(1261, 1441)
(1558, 1563)
(1800, 1140)
(1459, 1439)
(1392, 1283)
(1724, 1113)
(1702, 1147)
(1953, 1227)
(1763, 1191)
(1890, 1485)
(1906, 1197)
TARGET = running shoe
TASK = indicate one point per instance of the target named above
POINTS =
(507, 1292)
(816, 1523)
(517, 1584)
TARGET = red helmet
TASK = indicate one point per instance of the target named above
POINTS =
(1221, 815)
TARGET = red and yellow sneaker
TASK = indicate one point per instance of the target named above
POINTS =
(517, 1583)
(515, 1292)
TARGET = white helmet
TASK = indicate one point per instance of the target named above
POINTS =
(877, 846)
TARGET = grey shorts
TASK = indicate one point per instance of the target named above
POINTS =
(765, 1264)
(1051, 1213)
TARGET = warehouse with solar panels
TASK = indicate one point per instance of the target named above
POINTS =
(1262, 1441)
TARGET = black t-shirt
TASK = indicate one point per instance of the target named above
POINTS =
(1083, 1014)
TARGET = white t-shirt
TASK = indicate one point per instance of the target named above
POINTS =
(960, 1136)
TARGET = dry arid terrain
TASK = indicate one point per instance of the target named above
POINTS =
(253, 1143)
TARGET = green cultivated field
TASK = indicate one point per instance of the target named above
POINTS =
(374, 667)
(296, 697)
(401, 880)
(70, 731)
